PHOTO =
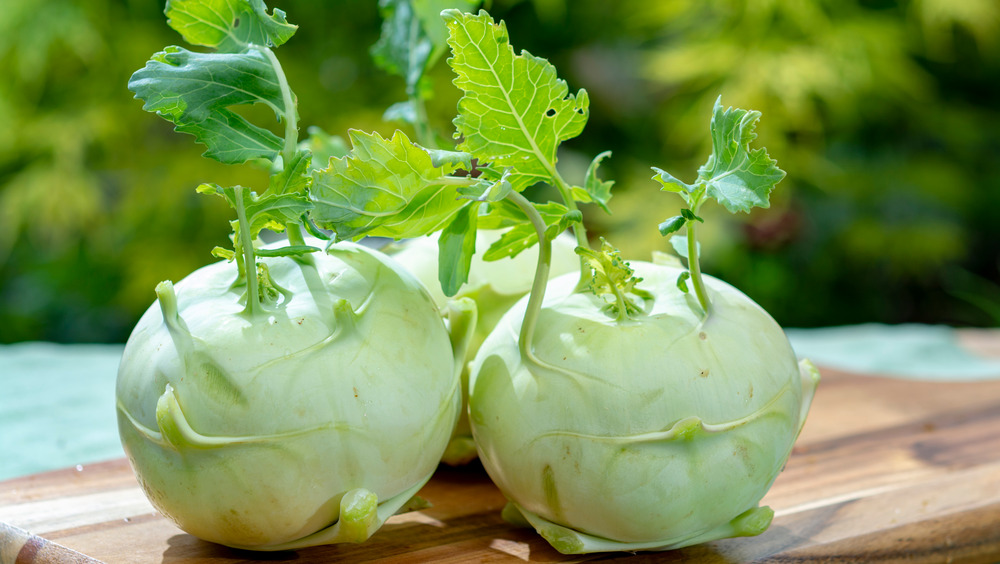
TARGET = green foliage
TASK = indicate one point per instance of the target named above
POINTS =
(386, 188)
(881, 113)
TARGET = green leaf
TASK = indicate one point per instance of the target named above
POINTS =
(519, 238)
(514, 111)
(670, 183)
(223, 253)
(672, 225)
(522, 235)
(386, 188)
(403, 112)
(294, 178)
(228, 25)
(286, 251)
(567, 219)
(441, 157)
(690, 216)
(271, 211)
(680, 245)
(501, 215)
(456, 246)
(413, 37)
(599, 190)
(738, 177)
(487, 190)
(323, 147)
(682, 281)
(195, 90)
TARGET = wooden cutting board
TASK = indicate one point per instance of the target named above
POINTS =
(885, 470)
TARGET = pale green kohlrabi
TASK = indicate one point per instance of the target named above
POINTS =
(652, 431)
(495, 286)
(309, 422)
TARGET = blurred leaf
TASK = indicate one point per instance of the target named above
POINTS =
(413, 37)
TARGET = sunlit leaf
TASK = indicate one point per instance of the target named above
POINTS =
(228, 25)
(515, 111)
(386, 188)
(737, 176)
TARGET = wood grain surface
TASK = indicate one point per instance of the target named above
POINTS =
(885, 470)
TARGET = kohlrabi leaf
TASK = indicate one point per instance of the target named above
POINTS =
(196, 90)
(413, 38)
(385, 188)
(228, 26)
(599, 190)
(680, 245)
(323, 147)
(271, 211)
(295, 176)
(614, 278)
(487, 190)
(737, 176)
(441, 157)
(672, 184)
(523, 235)
(456, 246)
(515, 111)
(672, 225)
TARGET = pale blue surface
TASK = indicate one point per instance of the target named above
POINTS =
(922, 352)
(57, 402)
(57, 406)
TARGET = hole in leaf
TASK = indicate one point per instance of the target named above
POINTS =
(551, 112)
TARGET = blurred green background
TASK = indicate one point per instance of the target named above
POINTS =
(884, 113)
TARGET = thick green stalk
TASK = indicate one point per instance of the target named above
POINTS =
(295, 236)
(249, 260)
(537, 294)
(288, 100)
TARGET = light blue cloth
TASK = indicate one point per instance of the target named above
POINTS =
(922, 352)
(57, 402)
(57, 406)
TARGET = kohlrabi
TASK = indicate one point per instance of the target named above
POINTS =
(614, 408)
(288, 395)
(630, 414)
(494, 286)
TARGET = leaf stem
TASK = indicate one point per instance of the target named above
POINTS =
(541, 276)
(694, 263)
(294, 232)
(249, 260)
(288, 100)
(579, 230)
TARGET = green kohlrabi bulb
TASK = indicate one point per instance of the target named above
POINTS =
(309, 422)
(648, 433)
(495, 286)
